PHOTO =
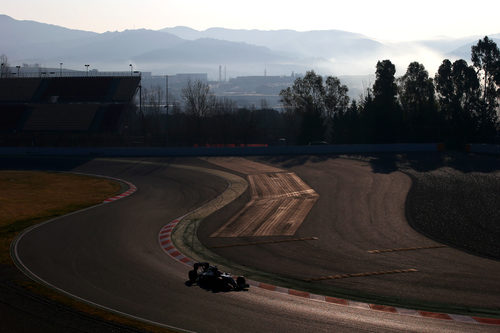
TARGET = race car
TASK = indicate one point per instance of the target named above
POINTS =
(209, 277)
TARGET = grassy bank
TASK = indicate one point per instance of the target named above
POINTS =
(458, 209)
(30, 197)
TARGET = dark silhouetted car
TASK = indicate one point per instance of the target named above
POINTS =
(210, 278)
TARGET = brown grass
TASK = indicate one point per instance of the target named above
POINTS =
(31, 197)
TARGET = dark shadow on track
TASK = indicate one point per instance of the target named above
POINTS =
(214, 290)
(386, 163)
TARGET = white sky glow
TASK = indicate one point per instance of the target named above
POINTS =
(389, 20)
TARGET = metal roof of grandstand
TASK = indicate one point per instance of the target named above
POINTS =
(48, 74)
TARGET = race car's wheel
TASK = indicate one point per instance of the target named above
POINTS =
(241, 282)
(192, 276)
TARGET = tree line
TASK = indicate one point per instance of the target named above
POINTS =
(459, 104)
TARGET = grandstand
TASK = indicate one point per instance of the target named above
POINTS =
(64, 109)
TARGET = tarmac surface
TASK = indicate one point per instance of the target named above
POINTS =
(360, 214)
(109, 254)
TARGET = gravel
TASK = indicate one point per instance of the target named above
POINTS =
(461, 209)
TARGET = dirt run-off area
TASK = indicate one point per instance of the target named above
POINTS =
(279, 202)
(440, 207)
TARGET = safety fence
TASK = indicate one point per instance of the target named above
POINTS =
(221, 151)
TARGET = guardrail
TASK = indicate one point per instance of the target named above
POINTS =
(483, 148)
(225, 151)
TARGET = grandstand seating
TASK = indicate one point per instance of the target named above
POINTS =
(61, 117)
(12, 117)
(61, 105)
(14, 90)
(71, 89)
(124, 90)
(110, 117)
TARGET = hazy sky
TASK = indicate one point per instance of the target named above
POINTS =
(390, 20)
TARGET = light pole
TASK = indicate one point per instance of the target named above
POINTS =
(166, 108)
(131, 70)
(60, 69)
(87, 69)
(166, 93)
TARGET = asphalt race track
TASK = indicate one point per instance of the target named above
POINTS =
(110, 256)
(360, 212)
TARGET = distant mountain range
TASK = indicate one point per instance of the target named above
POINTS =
(242, 52)
(324, 43)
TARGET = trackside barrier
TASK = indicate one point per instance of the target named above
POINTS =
(222, 151)
(231, 145)
(483, 149)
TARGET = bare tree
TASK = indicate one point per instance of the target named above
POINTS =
(5, 67)
(199, 103)
(198, 99)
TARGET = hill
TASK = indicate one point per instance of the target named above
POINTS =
(243, 52)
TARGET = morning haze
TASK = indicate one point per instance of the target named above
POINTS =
(240, 51)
